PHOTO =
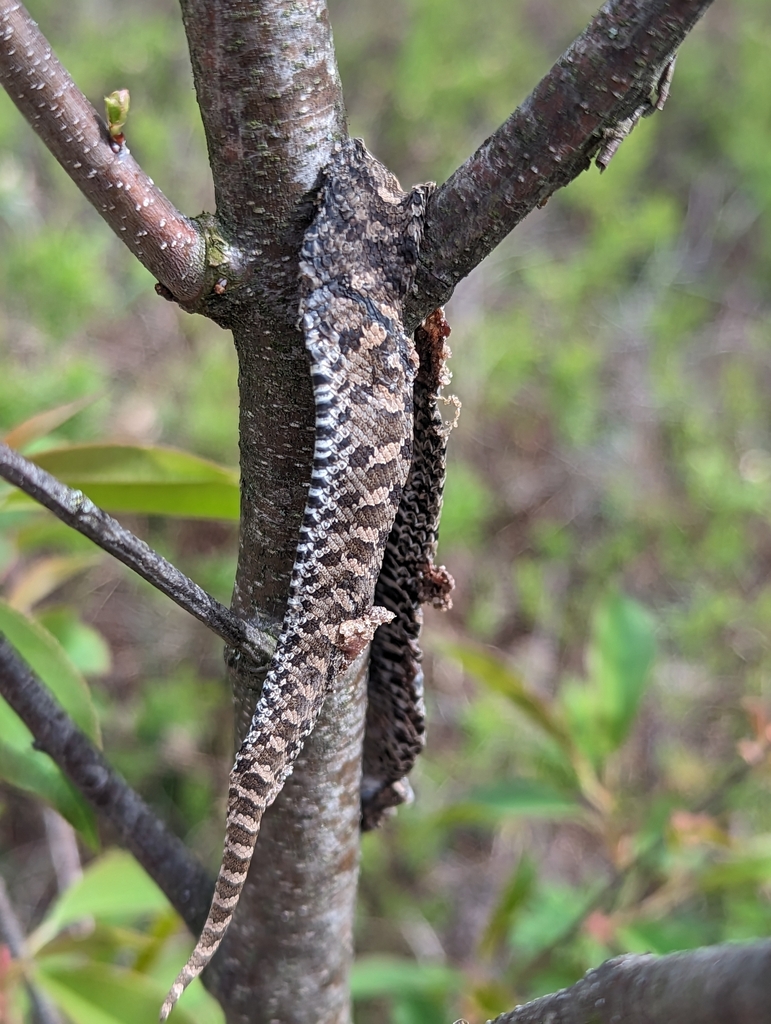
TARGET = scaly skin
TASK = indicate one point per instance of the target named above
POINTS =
(395, 731)
(357, 264)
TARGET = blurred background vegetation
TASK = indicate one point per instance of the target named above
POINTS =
(597, 772)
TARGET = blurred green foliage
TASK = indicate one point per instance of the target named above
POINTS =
(597, 773)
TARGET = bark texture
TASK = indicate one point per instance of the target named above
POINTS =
(599, 82)
(271, 103)
(170, 245)
(715, 985)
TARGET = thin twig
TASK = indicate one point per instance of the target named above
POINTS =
(63, 849)
(601, 81)
(79, 512)
(161, 854)
(13, 936)
(171, 246)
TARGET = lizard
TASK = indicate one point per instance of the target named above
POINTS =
(357, 264)
(395, 728)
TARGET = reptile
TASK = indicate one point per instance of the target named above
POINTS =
(408, 579)
(357, 265)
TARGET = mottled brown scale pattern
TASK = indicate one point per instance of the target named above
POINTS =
(357, 264)
(395, 731)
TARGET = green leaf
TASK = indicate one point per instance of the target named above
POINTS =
(518, 798)
(114, 889)
(374, 976)
(662, 937)
(48, 659)
(45, 575)
(33, 771)
(620, 660)
(85, 646)
(20, 764)
(752, 869)
(151, 481)
(493, 673)
(517, 892)
(94, 941)
(419, 1009)
(602, 708)
(97, 993)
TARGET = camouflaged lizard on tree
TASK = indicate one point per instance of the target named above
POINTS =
(357, 266)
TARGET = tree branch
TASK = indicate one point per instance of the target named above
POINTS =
(167, 243)
(79, 512)
(162, 855)
(714, 985)
(598, 84)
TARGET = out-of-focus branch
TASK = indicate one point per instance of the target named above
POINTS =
(79, 512)
(162, 855)
(63, 849)
(585, 104)
(167, 243)
(714, 985)
(11, 933)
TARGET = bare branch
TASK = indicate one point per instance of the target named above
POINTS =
(162, 855)
(13, 936)
(79, 512)
(62, 849)
(10, 929)
(715, 985)
(599, 83)
(167, 243)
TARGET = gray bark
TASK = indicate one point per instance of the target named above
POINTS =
(715, 985)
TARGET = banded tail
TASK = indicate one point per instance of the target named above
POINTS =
(261, 767)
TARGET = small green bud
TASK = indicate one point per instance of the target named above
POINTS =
(116, 106)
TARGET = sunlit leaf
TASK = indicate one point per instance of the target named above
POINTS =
(48, 659)
(114, 889)
(41, 424)
(374, 976)
(516, 798)
(44, 576)
(151, 481)
(33, 771)
(97, 993)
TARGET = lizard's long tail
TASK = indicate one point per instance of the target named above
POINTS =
(285, 720)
